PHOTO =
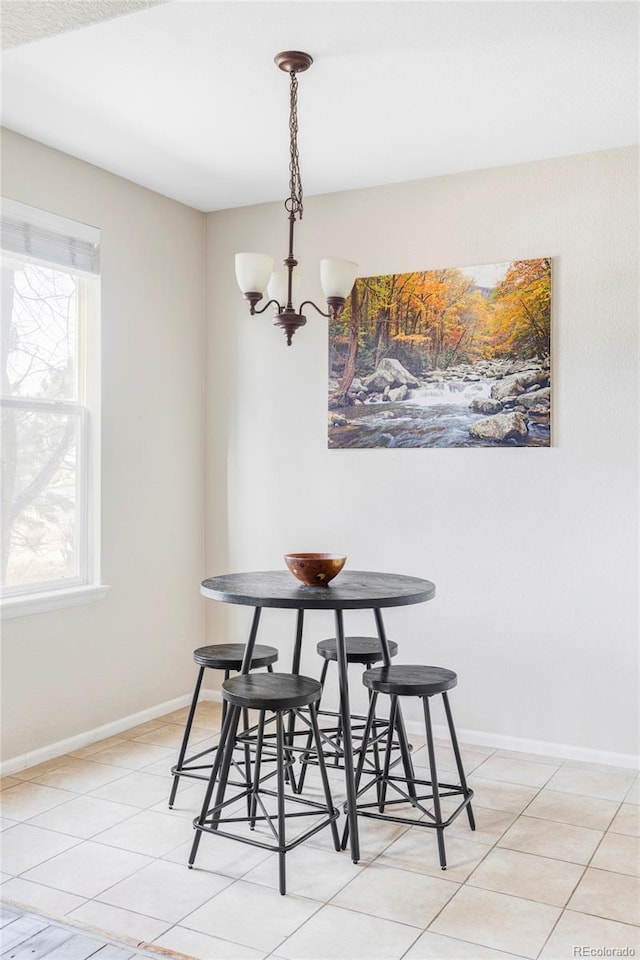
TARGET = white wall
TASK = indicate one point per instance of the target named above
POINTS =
(533, 550)
(72, 670)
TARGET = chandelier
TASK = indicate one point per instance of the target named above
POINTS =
(254, 271)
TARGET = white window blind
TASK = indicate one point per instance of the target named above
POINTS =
(47, 238)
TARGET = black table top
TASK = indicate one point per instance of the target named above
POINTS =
(351, 590)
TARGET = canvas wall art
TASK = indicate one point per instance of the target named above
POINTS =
(458, 357)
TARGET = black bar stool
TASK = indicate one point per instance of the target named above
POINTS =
(401, 680)
(365, 651)
(277, 693)
(219, 656)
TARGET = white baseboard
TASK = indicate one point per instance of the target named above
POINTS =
(498, 741)
(562, 751)
(58, 749)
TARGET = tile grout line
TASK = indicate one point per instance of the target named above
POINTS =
(491, 848)
(579, 880)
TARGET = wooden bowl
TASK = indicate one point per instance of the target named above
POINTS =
(315, 569)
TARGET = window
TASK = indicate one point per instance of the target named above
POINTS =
(50, 410)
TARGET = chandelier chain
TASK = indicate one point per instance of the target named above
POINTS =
(294, 203)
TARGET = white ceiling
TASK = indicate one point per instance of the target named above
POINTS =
(183, 97)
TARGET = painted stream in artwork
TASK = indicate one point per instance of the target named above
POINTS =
(433, 415)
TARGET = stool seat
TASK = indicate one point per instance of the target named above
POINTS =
(271, 691)
(359, 649)
(409, 680)
(229, 656)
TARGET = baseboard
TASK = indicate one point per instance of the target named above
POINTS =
(545, 748)
(58, 749)
(496, 741)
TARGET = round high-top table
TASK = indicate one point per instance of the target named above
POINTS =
(351, 590)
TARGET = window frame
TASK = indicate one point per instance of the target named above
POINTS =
(85, 586)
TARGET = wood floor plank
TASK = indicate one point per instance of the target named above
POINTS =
(19, 930)
(111, 952)
(27, 936)
(8, 914)
(45, 943)
(79, 946)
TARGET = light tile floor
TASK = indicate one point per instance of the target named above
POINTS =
(553, 865)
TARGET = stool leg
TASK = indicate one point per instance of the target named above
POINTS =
(281, 821)
(185, 739)
(256, 771)
(229, 747)
(393, 720)
(402, 733)
(456, 750)
(323, 772)
(209, 791)
(376, 747)
(224, 702)
(369, 725)
(434, 782)
(337, 738)
(307, 746)
(247, 759)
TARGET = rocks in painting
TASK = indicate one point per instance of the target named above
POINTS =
(519, 383)
(356, 386)
(389, 373)
(377, 382)
(536, 405)
(400, 374)
(501, 426)
(337, 420)
(536, 398)
(398, 394)
(485, 405)
(539, 411)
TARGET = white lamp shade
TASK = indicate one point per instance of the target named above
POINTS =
(337, 277)
(253, 271)
(277, 288)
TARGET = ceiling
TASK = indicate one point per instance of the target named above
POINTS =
(24, 22)
(183, 96)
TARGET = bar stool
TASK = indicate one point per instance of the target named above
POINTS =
(365, 651)
(277, 694)
(402, 680)
(219, 656)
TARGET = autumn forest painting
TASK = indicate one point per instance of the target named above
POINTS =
(457, 357)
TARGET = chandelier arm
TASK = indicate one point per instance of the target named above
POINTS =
(268, 304)
(310, 303)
